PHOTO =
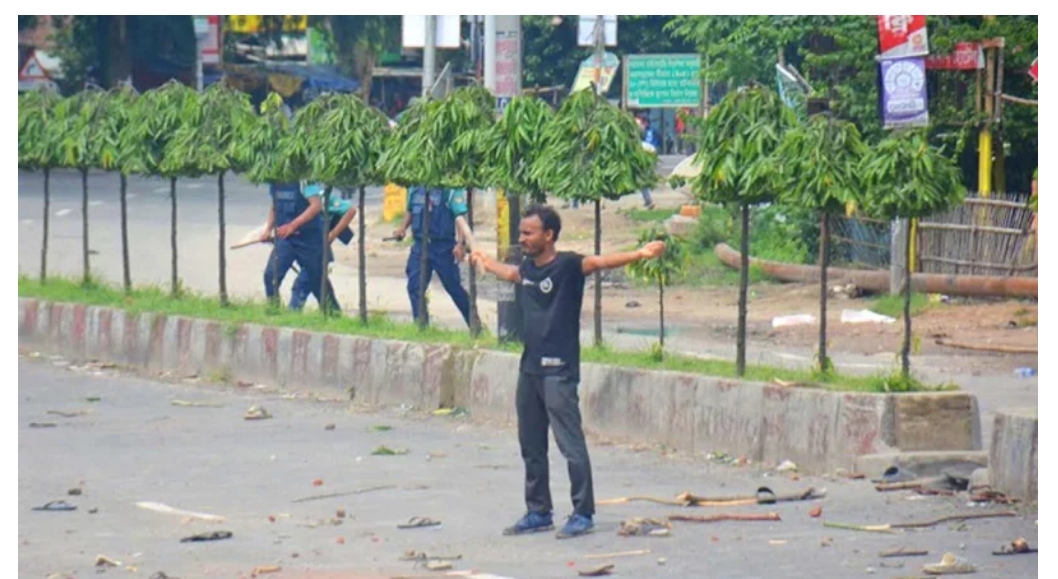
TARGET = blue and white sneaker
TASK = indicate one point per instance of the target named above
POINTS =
(531, 523)
(576, 525)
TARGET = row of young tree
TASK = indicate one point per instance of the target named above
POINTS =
(587, 150)
(752, 150)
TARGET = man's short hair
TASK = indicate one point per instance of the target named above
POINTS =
(547, 216)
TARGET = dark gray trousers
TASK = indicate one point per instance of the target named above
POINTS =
(542, 401)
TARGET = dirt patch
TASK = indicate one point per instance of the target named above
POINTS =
(711, 312)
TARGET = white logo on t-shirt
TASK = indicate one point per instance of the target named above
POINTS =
(546, 286)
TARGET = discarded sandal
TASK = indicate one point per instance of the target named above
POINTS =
(950, 564)
(417, 522)
(1016, 547)
(162, 575)
(256, 413)
(56, 506)
(766, 496)
(202, 537)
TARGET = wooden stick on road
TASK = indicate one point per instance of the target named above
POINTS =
(726, 517)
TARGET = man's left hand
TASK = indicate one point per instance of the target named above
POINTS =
(652, 250)
(459, 252)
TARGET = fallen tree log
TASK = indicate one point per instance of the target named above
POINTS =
(878, 281)
(987, 347)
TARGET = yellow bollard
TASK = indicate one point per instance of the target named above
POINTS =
(394, 202)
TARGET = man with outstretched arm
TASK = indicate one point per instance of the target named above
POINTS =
(552, 293)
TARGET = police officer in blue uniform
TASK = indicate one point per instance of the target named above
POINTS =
(445, 251)
(299, 238)
(339, 213)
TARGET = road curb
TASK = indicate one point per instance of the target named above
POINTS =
(1013, 455)
(764, 423)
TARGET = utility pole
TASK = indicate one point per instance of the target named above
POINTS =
(201, 31)
(600, 51)
(429, 56)
(507, 29)
(984, 140)
(490, 53)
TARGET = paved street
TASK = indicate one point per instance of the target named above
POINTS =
(134, 445)
(149, 224)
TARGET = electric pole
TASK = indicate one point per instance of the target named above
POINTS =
(429, 56)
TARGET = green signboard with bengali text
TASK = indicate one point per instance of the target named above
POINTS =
(663, 81)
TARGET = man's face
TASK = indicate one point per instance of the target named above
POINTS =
(532, 237)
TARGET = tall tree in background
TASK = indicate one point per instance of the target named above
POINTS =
(352, 162)
(158, 118)
(819, 164)
(118, 119)
(909, 179)
(210, 142)
(358, 42)
(836, 55)
(736, 143)
(106, 49)
(39, 138)
(514, 143)
(460, 127)
(80, 119)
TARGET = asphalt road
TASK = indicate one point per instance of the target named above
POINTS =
(134, 445)
(246, 207)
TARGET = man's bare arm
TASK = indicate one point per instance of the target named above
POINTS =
(594, 263)
(401, 231)
(503, 271)
(343, 224)
(314, 208)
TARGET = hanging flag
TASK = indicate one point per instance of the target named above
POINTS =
(902, 36)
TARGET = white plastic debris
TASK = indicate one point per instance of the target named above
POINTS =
(793, 320)
(864, 317)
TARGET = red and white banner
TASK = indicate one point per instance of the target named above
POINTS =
(1034, 70)
(966, 56)
(902, 36)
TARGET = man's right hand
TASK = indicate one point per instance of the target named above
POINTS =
(479, 258)
(286, 230)
(398, 234)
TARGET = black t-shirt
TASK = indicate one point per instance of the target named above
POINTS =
(551, 298)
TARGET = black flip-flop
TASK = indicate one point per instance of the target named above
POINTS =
(214, 536)
(56, 506)
(766, 496)
(418, 522)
